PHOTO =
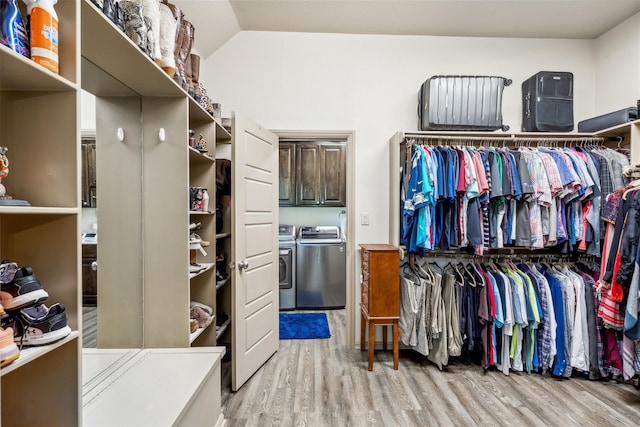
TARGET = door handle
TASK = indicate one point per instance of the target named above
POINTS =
(243, 265)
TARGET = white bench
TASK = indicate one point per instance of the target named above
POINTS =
(152, 387)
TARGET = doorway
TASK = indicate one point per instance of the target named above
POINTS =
(316, 215)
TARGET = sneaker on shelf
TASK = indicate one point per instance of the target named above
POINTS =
(8, 349)
(194, 267)
(40, 325)
(194, 226)
(19, 287)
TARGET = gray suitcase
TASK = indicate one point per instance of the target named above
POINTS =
(461, 103)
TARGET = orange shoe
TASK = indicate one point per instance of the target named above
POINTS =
(8, 348)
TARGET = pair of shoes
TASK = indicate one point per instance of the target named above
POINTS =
(194, 226)
(19, 287)
(203, 318)
(195, 238)
(39, 325)
(195, 244)
(8, 349)
(202, 306)
(221, 266)
(29, 320)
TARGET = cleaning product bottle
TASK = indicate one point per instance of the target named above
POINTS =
(13, 33)
(42, 22)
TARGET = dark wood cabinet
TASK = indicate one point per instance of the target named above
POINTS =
(89, 275)
(380, 304)
(287, 174)
(320, 174)
(88, 179)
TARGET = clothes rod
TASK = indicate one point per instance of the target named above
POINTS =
(511, 139)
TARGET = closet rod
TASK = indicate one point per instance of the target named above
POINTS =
(511, 139)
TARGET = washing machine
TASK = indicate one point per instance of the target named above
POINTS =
(287, 261)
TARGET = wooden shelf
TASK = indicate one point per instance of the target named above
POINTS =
(110, 50)
(21, 73)
(618, 130)
(208, 266)
(29, 354)
(194, 335)
(198, 157)
(33, 210)
(202, 212)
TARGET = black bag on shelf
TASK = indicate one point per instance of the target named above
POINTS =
(608, 120)
(461, 103)
(547, 102)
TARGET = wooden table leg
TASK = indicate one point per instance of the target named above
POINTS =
(384, 337)
(396, 338)
(372, 340)
(363, 324)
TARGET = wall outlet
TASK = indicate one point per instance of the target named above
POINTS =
(364, 218)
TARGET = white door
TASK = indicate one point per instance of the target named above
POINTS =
(255, 248)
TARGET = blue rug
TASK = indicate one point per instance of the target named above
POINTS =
(303, 326)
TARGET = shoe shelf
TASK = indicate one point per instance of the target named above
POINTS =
(207, 266)
(221, 283)
(109, 49)
(39, 124)
(29, 354)
(197, 157)
(201, 213)
(195, 334)
(222, 328)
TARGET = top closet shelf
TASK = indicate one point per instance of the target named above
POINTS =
(110, 50)
(20, 73)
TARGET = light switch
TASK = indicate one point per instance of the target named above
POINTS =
(364, 218)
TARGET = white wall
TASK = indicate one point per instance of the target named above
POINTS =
(618, 67)
(369, 84)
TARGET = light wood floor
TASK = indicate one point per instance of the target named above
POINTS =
(321, 383)
(89, 327)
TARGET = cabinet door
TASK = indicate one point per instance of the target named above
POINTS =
(88, 173)
(332, 175)
(287, 174)
(308, 175)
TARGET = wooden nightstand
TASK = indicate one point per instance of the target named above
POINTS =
(380, 303)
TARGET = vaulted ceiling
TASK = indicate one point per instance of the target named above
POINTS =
(216, 21)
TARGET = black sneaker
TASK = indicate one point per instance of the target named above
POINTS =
(40, 325)
(19, 287)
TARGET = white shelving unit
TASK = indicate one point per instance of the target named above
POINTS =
(159, 173)
(40, 126)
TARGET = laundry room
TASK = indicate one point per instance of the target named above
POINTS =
(313, 223)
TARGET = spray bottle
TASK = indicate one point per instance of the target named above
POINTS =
(12, 30)
(42, 23)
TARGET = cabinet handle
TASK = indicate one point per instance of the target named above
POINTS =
(322, 202)
(317, 202)
(94, 265)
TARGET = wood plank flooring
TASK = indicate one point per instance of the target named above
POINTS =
(321, 383)
(89, 327)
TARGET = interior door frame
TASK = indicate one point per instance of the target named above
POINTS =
(350, 138)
